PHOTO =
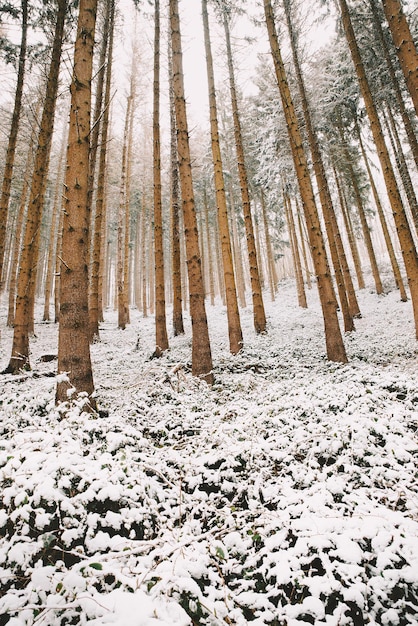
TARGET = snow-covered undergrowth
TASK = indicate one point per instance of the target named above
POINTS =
(286, 494)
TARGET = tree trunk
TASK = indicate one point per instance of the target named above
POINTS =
(410, 133)
(302, 227)
(385, 229)
(11, 147)
(201, 351)
(401, 164)
(271, 266)
(350, 233)
(98, 251)
(295, 251)
(30, 251)
(404, 45)
(234, 323)
(333, 337)
(161, 337)
(331, 224)
(211, 278)
(144, 214)
(257, 296)
(73, 338)
(52, 248)
(123, 228)
(178, 326)
(406, 241)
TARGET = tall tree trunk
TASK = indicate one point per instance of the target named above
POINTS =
(401, 164)
(361, 212)
(144, 214)
(11, 147)
(211, 277)
(201, 351)
(54, 232)
(385, 229)
(234, 322)
(333, 337)
(404, 45)
(30, 251)
(272, 273)
(350, 232)
(178, 326)
(73, 338)
(330, 220)
(123, 227)
(302, 234)
(161, 337)
(259, 315)
(406, 241)
(295, 251)
(98, 105)
(20, 227)
(410, 133)
(96, 266)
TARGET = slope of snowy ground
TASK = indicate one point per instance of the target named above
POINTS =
(284, 495)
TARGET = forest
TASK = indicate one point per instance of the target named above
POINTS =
(208, 312)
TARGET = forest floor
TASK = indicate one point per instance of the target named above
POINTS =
(285, 494)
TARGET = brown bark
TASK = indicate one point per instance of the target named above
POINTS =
(410, 133)
(73, 339)
(201, 351)
(333, 337)
(30, 250)
(271, 266)
(383, 222)
(295, 251)
(161, 336)
(401, 164)
(98, 251)
(259, 315)
(404, 45)
(302, 227)
(11, 147)
(211, 277)
(361, 213)
(234, 323)
(406, 241)
(123, 228)
(350, 232)
(178, 326)
(20, 228)
(331, 224)
(56, 210)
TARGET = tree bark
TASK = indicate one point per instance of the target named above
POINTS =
(201, 351)
(333, 337)
(96, 266)
(74, 362)
(178, 326)
(295, 252)
(161, 336)
(410, 133)
(11, 147)
(259, 315)
(385, 229)
(331, 224)
(234, 323)
(406, 241)
(404, 45)
(30, 250)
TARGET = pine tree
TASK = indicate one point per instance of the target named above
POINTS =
(201, 350)
(74, 362)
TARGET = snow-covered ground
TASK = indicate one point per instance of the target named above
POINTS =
(286, 494)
